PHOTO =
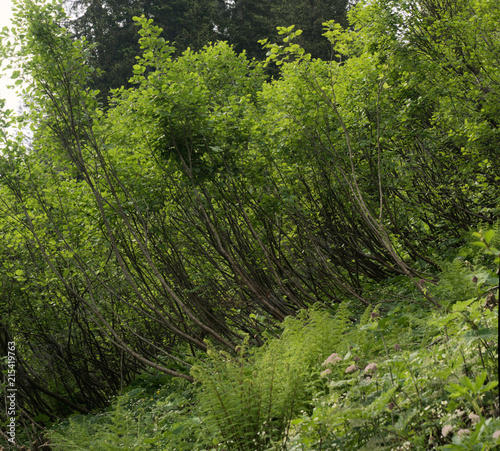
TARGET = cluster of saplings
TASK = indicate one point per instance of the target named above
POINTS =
(256, 254)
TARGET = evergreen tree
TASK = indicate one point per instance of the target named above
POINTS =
(248, 21)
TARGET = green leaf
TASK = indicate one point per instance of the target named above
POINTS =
(489, 386)
(479, 382)
(456, 390)
(488, 236)
(483, 334)
(381, 402)
(466, 382)
(462, 306)
(383, 323)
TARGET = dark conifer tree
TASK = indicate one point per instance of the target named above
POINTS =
(248, 21)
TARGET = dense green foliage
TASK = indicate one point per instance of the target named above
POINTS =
(109, 27)
(212, 226)
(400, 378)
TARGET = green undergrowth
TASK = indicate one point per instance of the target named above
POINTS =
(396, 376)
